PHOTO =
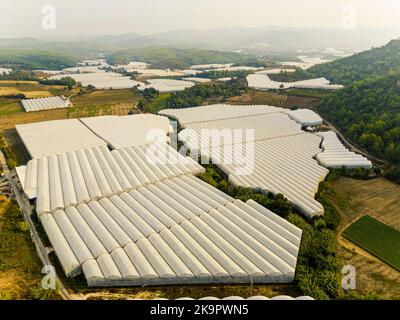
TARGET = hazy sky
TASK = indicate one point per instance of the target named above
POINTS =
(22, 18)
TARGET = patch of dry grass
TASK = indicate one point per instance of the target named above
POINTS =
(379, 198)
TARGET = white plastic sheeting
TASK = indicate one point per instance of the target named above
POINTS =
(178, 231)
(197, 80)
(211, 66)
(275, 71)
(283, 160)
(40, 104)
(21, 173)
(5, 71)
(100, 79)
(159, 72)
(88, 174)
(216, 112)
(128, 131)
(263, 82)
(336, 155)
(305, 117)
(283, 165)
(239, 68)
(166, 85)
(224, 79)
(252, 128)
(43, 139)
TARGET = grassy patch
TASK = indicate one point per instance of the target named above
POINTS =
(309, 93)
(20, 267)
(194, 291)
(377, 238)
(158, 103)
(17, 148)
(33, 90)
(8, 153)
(9, 106)
(105, 98)
(10, 120)
(90, 111)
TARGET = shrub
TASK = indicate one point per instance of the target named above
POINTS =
(6, 295)
(38, 293)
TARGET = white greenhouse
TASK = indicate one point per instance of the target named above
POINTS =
(166, 85)
(66, 179)
(336, 155)
(305, 117)
(127, 131)
(217, 112)
(138, 215)
(43, 139)
(121, 221)
(283, 160)
(41, 104)
(179, 231)
(263, 82)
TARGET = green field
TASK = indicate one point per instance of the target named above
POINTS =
(377, 238)
(158, 103)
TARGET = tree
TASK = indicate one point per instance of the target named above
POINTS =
(141, 105)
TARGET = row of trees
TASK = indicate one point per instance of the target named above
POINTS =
(21, 75)
(197, 95)
(66, 81)
(217, 74)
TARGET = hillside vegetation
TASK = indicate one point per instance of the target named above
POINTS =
(368, 113)
(37, 59)
(175, 58)
(375, 62)
(200, 94)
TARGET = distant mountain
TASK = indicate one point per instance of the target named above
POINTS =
(257, 40)
(277, 43)
(374, 62)
(261, 41)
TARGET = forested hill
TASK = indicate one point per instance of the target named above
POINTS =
(375, 62)
(368, 113)
(176, 58)
(31, 59)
